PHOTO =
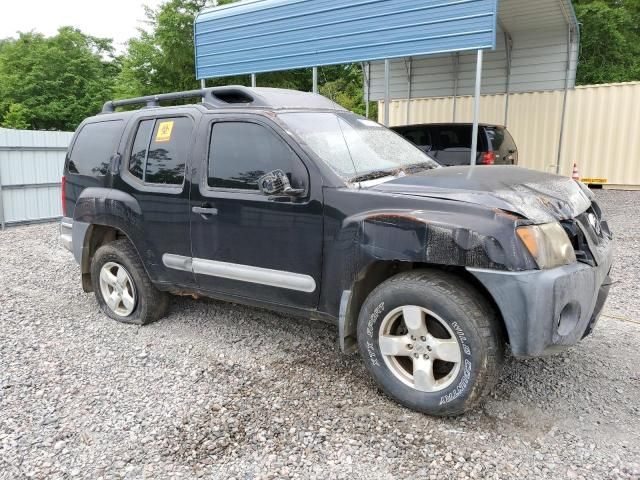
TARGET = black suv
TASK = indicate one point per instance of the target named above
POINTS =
(285, 200)
(450, 143)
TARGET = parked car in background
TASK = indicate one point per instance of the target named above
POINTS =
(450, 143)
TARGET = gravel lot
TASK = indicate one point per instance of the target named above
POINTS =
(224, 391)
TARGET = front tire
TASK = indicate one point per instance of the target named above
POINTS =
(123, 288)
(431, 341)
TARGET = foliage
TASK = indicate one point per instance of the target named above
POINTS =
(54, 83)
(161, 59)
(610, 43)
(344, 85)
(16, 117)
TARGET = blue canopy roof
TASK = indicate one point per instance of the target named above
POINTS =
(257, 36)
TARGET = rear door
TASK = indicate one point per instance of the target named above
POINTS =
(153, 172)
(247, 244)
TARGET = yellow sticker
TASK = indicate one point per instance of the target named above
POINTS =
(594, 180)
(164, 132)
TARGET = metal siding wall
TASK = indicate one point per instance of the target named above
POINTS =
(30, 170)
(601, 130)
(271, 35)
(539, 60)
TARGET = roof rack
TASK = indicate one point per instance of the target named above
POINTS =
(216, 97)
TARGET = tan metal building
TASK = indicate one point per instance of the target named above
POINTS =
(601, 128)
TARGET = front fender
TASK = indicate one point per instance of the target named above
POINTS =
(364, 248)
(481, 238)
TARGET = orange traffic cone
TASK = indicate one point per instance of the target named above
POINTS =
(575, 175)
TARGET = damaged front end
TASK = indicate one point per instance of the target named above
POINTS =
(549, 309)
(472, 218)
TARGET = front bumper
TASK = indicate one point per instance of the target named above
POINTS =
(548, 310)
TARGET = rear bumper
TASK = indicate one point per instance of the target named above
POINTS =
(546, 311)
(66, 233)
(72, 237)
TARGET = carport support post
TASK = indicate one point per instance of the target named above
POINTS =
(315, 79)
(1, 206)
(203, 83)
(476, 108)
(456, 67)
(409, 67)
(253, 80)
(564, 100)
(366, 71)
(508, 42)
(387, 68)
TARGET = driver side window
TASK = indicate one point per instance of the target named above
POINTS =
(240, 153)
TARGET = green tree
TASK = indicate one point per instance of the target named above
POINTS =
(610, 41)
(161, 59)
(57, 81)
(16, 117)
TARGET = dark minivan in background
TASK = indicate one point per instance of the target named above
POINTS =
(450, 143)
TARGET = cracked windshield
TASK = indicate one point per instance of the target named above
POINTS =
(357, 149)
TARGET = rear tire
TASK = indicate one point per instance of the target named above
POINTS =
(123, 288)
(431, 341)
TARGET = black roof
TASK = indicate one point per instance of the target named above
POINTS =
(235, 96)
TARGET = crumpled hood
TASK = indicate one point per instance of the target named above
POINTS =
(537, 196)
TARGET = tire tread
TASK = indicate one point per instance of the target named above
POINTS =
(475, 305)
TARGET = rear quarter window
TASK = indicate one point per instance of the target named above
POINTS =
(500, 139)
(159, 152)
(95, 144)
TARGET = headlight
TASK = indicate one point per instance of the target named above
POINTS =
(548, 244)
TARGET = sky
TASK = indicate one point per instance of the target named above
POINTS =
(116, 19)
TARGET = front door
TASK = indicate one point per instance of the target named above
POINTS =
(245, 243)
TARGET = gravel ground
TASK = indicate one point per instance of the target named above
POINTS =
(224, 391)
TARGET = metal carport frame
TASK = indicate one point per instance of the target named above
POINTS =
(257, 36)
(537, 48)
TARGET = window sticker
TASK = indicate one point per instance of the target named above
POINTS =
(164, 132)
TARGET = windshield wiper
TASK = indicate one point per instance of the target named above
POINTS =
(374, 175)
(418, 167)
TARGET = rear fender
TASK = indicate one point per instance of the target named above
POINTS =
(103, 207)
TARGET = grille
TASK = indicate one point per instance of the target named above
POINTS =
(587, 233)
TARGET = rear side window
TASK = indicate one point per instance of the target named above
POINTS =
(452, 137)
(140, 148)
(501, 140)
(159, 152)
(240, 153)
(95, 145)
(418, 136)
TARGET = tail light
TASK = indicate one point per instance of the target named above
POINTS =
(63, 192)
(488, 158)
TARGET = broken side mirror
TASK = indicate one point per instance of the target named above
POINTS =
(276, 183)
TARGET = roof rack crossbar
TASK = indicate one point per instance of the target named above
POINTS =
(152, 100)
(237, 96)
(213, 96)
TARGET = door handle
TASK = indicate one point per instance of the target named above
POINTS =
(205, 211)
